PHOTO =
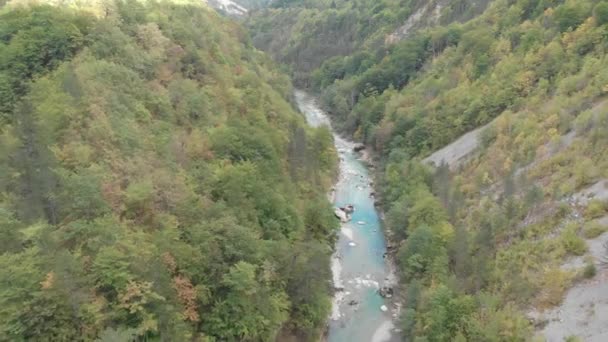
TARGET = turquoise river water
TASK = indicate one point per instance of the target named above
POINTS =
(358, 266)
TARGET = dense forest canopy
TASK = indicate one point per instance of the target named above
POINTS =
(306, 33)
(155, 182)
(481, 242)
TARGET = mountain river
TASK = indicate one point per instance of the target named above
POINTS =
(359, 268)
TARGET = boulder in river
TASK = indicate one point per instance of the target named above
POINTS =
(386, 292)
(358, 147)
(384, 308)
(353, 302)
(342, 215)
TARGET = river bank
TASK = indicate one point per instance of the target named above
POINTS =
(359, 265)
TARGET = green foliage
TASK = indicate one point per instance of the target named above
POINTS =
(596, 208)
(589, 271)
(417, 255)
(30, 47)
(306, 33)
(600, 12)
(593, 229)
(572, 243)
(261, 310)
(447, 316)
(426, 211)
(485, 236)
(10, 236)
(570, 15)
(149, 191)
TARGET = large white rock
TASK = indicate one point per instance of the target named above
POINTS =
(341, 215)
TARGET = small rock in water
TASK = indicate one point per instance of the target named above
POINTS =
(386, 292)
(361, 223)
(352, 244)
(353, 302)
(358, 147)
(384, 308)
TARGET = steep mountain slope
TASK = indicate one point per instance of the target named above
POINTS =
(304, 34)
(485, 242)
(155, 182)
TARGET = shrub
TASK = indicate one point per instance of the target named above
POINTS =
(589, 271)
(595, 209)
(600, 12)
(563, 210)
(593, 229)
(572, 243)
(554, 283)
(570, 16)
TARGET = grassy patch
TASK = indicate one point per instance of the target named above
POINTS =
(589, 271)
(593, 229)
(572, 243)
(595, 209)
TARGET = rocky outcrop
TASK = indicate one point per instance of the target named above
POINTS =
(342, 215)
(228, 6)
(597, 191)
(386, 292)
(458, 151)
(428, 14)
(358, 147)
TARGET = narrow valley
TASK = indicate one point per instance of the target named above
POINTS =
(359, 265)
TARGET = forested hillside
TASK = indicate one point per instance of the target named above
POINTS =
(306, 33)
(491, 237)
(155, 182)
